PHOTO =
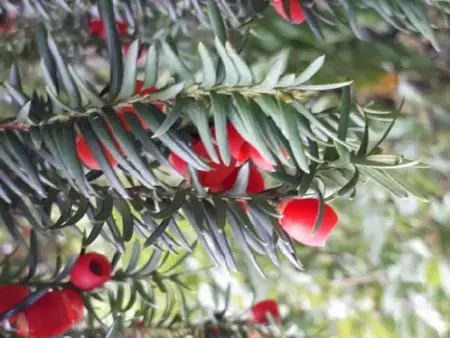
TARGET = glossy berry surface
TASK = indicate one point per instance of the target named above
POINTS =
(10, 296)
(52, 315)
(213, 179)
(90, 271)
(126, 46)
(236, 144)
(139, 89)
(297, 16)
(122, 112)
(299, 217)
(96, 27)
(242, 151)
(87, 157)
(262, 309)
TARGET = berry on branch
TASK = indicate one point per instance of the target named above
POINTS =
(261, 310)
(299, 217)
(10, 296)
(90, 271)
(297, 16)
(52, 315)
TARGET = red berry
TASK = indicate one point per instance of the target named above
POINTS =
(74, 305)
(241, 150)
(139, 88)
(10, 296)
(6, 28)
(261, 309)
(87, 157)
(126, 45)
(179, 164)
(236, 144)
(255, 185)
(97, 28)
(299, 217)
(258, 159)
(213, 179)
(255, 180)
(52, 315)
(297, 15)
(130, 110)
(90, 271)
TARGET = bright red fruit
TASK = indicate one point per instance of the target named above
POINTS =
(255, 185)
(255, 180)
(241, 150)
(258, 159)
(179, 164)
(236, 144)
(52, 315)
(6, 28)
(139, 88)
(263, 308)
(130, 110)
(90, 271)
(87, 157)
(299, 217)
(10, 296)
(297, 15)
(96, 28)
(213, 179)
(126, 45)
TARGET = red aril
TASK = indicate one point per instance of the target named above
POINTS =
(130, 110)
(299, 217)
(87, 157)
(10, 296)
(96, 28)
(258, 159)
(52, 315)
(262, 309)
(213, 179)
(90, 271)
(236, 144)
(297, 16)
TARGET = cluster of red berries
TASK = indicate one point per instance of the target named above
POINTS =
(96, 28)
(222, 177)
(297, 15)
(57, 310)
(84, 151)
(298, 216)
